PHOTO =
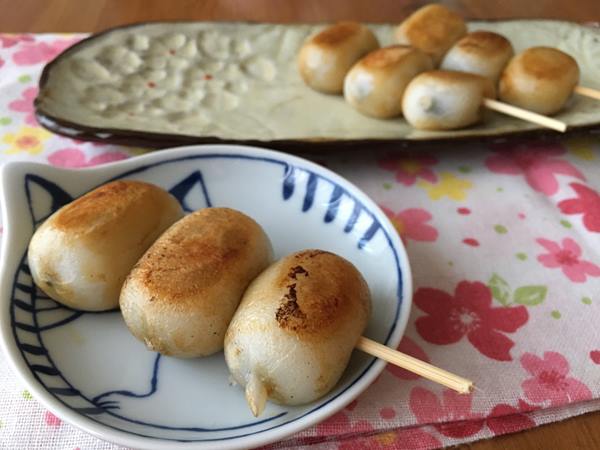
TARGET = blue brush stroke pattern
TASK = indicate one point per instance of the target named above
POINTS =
(290, 181)
(334, 204)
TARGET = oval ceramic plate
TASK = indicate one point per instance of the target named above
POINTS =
(164, 84)
(88, 369)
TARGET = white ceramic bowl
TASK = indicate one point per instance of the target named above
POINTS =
(86, 367)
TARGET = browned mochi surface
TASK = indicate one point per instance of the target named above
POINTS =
(181, 295)
(326, 57)
(449, 77)
(546, 63)
(384, 57)
(484, 42)
(318, 294)
(307, 310)
(104, 233)
(445, 100)
(376, 83)
(432, 29)
(540, 79)
(337, 34)
(480, 52)
(93, 216)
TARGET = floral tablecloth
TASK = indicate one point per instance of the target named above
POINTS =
(504, 242)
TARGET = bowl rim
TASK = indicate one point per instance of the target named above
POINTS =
(105, 432)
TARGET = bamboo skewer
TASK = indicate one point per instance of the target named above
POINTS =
(257, 395)
(529, 116)
(588, 92)
(415, 365)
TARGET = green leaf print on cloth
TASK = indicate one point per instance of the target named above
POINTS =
(530, 295)
(500, 289)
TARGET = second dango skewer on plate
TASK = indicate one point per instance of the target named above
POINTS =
(394, 80)
(540, 79)
(487, 54)
(327, 56)
(483, 53)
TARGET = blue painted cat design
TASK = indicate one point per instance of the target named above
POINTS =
(33, 313)
(46, 314)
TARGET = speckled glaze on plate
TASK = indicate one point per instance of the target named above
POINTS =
(159, 83)
(90, 371)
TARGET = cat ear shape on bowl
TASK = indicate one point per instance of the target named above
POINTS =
(43, 198)
(191, 192)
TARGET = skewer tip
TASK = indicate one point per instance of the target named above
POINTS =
(426, 370)
(478, 389)
(256, 395)
(468, 387)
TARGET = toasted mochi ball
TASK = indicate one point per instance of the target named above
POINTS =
(540, 79)
(325, 58)
(480, 52)
(445, 100)
(375, 84)
(81, 254)
(181, 295)
(291, 338)
(432, 29)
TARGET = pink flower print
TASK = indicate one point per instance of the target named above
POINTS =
(587, 203)
(405, 439)
(412, 224)
(415, 438)
(362, 435)
(468, 313)
(505, 419)
(105, 158)
(25, 104)
(74, 158)
(52, 420)
(94, 144)
(452, 416)
(340, 424)
(68, 158)
(1, 62)
(35, 53)
(408, 346)
(595, 356)
(568, 258)
(550, 380)
(537, 162)
(10, 40)
(408, 169)
(350, 406)
(387, 413)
